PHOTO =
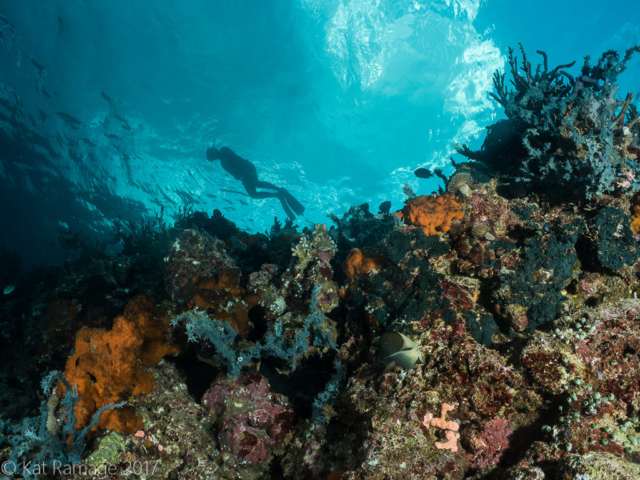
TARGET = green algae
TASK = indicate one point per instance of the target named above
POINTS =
(108, 452)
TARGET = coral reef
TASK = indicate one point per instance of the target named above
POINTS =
(490, 331)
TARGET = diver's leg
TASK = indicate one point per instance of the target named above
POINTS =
(250, 187)
(251, 190)
(279, 196)
(270, 186)
(295, 205)
(286, 208)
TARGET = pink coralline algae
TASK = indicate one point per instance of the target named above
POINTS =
(489, 444)
(253, 421)
(250, 445)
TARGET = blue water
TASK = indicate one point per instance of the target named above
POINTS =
(338, 101)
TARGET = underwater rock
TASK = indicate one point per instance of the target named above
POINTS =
(356, 230)
(517, 317)
(483, 329)
(488, 443)
(179, 436)
(199, 272)
(221, 295)
(537, 278)
(193, 256)
(250, 445)
(311, 266)
(400, 244)
(616, 246)
(597, 466)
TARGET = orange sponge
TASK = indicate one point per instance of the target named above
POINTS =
(154, 325)
(108, 365)
(433, 213)
(222, 295)
(359, 262)
(635, 222)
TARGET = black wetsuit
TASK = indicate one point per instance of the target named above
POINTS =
(245, 171)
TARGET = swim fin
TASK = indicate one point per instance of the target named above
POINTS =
(295, 205)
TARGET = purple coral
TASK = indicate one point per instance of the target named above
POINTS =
(250, 445)
(253, 420)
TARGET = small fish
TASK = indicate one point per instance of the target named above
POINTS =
(8, 289)
(40, 67)
(423, 173)
(70, 119)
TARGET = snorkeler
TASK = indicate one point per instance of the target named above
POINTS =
(245, 171)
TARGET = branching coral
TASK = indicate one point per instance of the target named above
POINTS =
(564, 131)
(200, 327)
(38, 443)
(222, 336)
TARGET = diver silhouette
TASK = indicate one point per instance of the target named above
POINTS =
(245, 171)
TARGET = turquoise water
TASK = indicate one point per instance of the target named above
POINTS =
(107, 108)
